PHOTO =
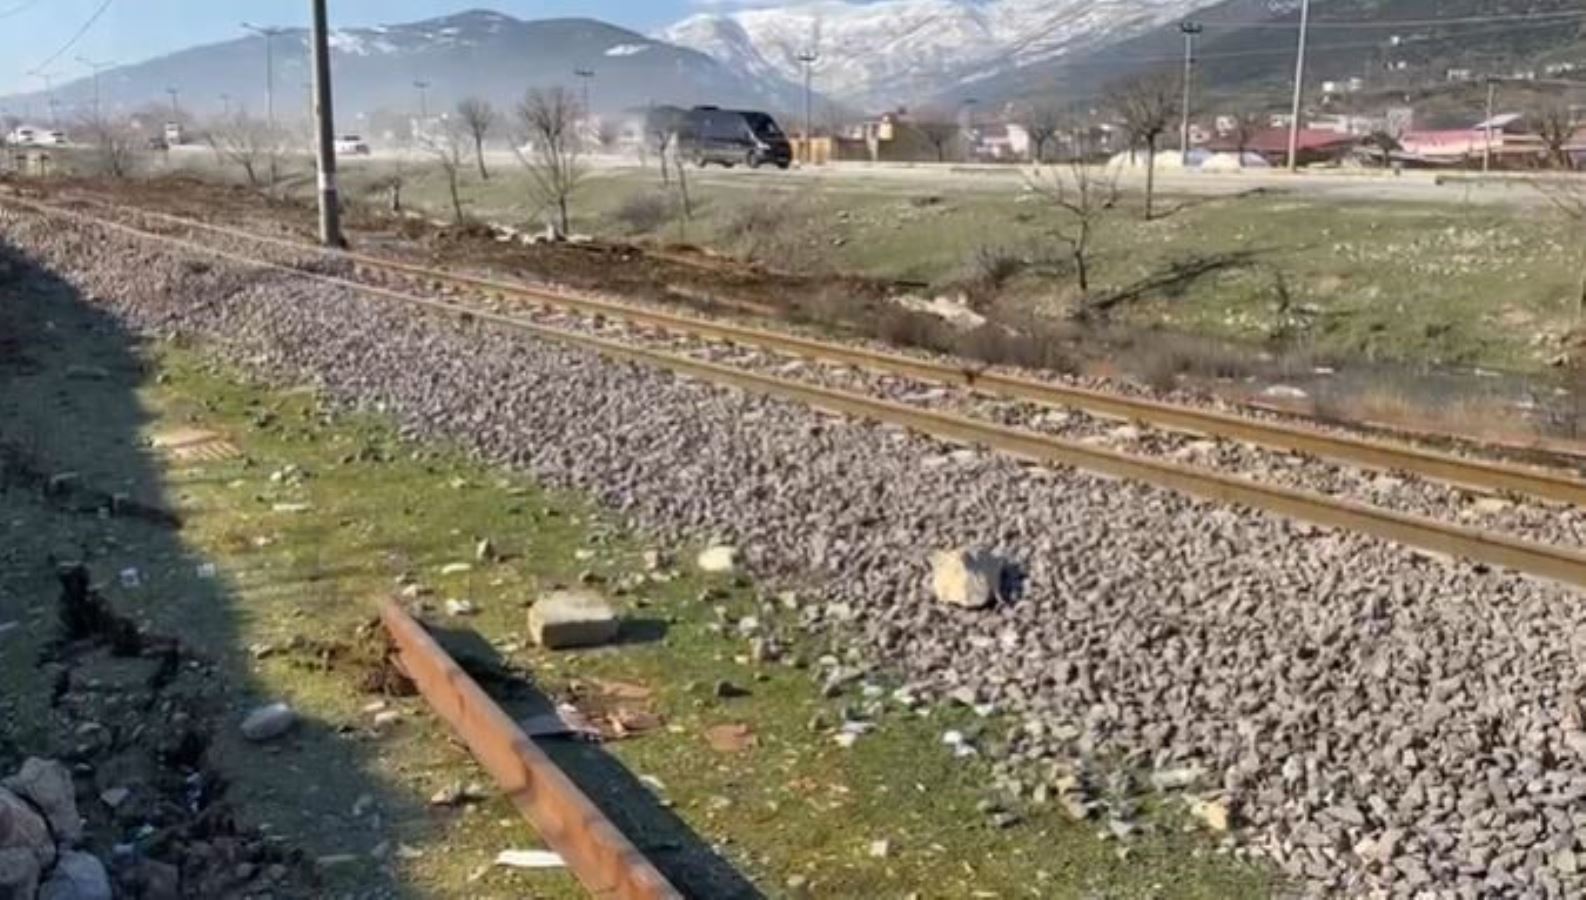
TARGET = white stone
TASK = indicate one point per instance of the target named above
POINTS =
(719, 560)
(268, 722)
(78, 876)
(965, 578)
(565, 619)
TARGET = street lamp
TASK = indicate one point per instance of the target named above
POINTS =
(808, 58)
(269, 35)
(1190, 30)
(424, 100)
(1299, 87)
(586, 76)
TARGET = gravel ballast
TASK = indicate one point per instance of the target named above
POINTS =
(1374, 719)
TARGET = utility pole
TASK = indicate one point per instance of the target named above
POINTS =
(269, 35)
(808, 58)
(329, 201)
(176, 105)
(586, 76)
(225, 103)
(97, 68)
(1190, 30)
(1299, 87)
(1486, 153)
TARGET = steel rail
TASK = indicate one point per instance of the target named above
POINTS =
(1544, 560)
(603, 860)
(1477, 474)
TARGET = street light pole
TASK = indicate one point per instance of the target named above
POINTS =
(586, 76)
(424, 100)
(808, 58)
(329, 201)
(269, 35)
(1299, 87)
(49, 92)
(176, 105)
(1190, 30)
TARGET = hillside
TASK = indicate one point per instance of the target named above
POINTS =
(475, 53)
(1248, 48)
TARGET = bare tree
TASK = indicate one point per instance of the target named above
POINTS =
(1082, 195)
(113, 145)
(1246, 125)
(1044, 120)
(1568, 196)
(607, 134)
(939, 131)
(1146, 106)
(661, 127)
(478, 117)
(1555, 125)
(447, 144)
(244, 142)
(554, 152)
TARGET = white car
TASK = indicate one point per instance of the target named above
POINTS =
(351, 145)
(23, 137)
(51, 139)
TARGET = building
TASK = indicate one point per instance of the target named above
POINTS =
(1504, 136)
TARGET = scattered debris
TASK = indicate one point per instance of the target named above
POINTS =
(485, 551)
(1213, 814)
(529, 859)
(456, 568)
(730, 738)
(460, 608)
(567, 619)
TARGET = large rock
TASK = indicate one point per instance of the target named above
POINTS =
(78, 876)
(48, 785)
(19, 874)
(22, 828)
(566, 619)
(966, 578)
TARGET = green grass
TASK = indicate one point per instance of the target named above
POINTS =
(1439, 284)
(369, 508)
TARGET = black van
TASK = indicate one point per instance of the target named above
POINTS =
(731, 137)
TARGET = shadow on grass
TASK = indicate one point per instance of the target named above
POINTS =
(149, 696)
(682, 855)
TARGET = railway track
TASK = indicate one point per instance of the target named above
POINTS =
(1474, 473)
(1564, 564)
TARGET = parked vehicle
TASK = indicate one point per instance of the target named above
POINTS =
(732, 137)
(175, 134)
(51, 139)
(22, 137)
(351, 145)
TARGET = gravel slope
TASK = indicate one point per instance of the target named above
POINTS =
(1375, 719)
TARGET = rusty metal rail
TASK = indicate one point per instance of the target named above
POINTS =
(1478, 474)
(604, 861)
(1548, 561)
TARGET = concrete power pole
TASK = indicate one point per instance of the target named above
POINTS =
(325, 123)
(1190, 29)
(585, 78)
(808, 58)
(1299, 87)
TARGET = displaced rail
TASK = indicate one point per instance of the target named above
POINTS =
(602, 859)
(1484, 475)
(1544, 560)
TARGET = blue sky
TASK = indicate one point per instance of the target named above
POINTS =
(132, 30)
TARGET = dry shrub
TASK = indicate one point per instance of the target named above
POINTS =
(643, 212)
(994, 344)
(1159, 359)
(784, 233)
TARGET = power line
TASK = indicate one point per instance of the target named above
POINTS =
(66, 48)
(22, 7)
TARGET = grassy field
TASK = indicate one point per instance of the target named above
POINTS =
(314, 515)
(1439, 284)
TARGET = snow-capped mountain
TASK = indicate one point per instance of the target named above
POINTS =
(477, 53)
(900, 51)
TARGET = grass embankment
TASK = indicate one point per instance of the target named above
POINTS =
(1417, 283)
(318, 515)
